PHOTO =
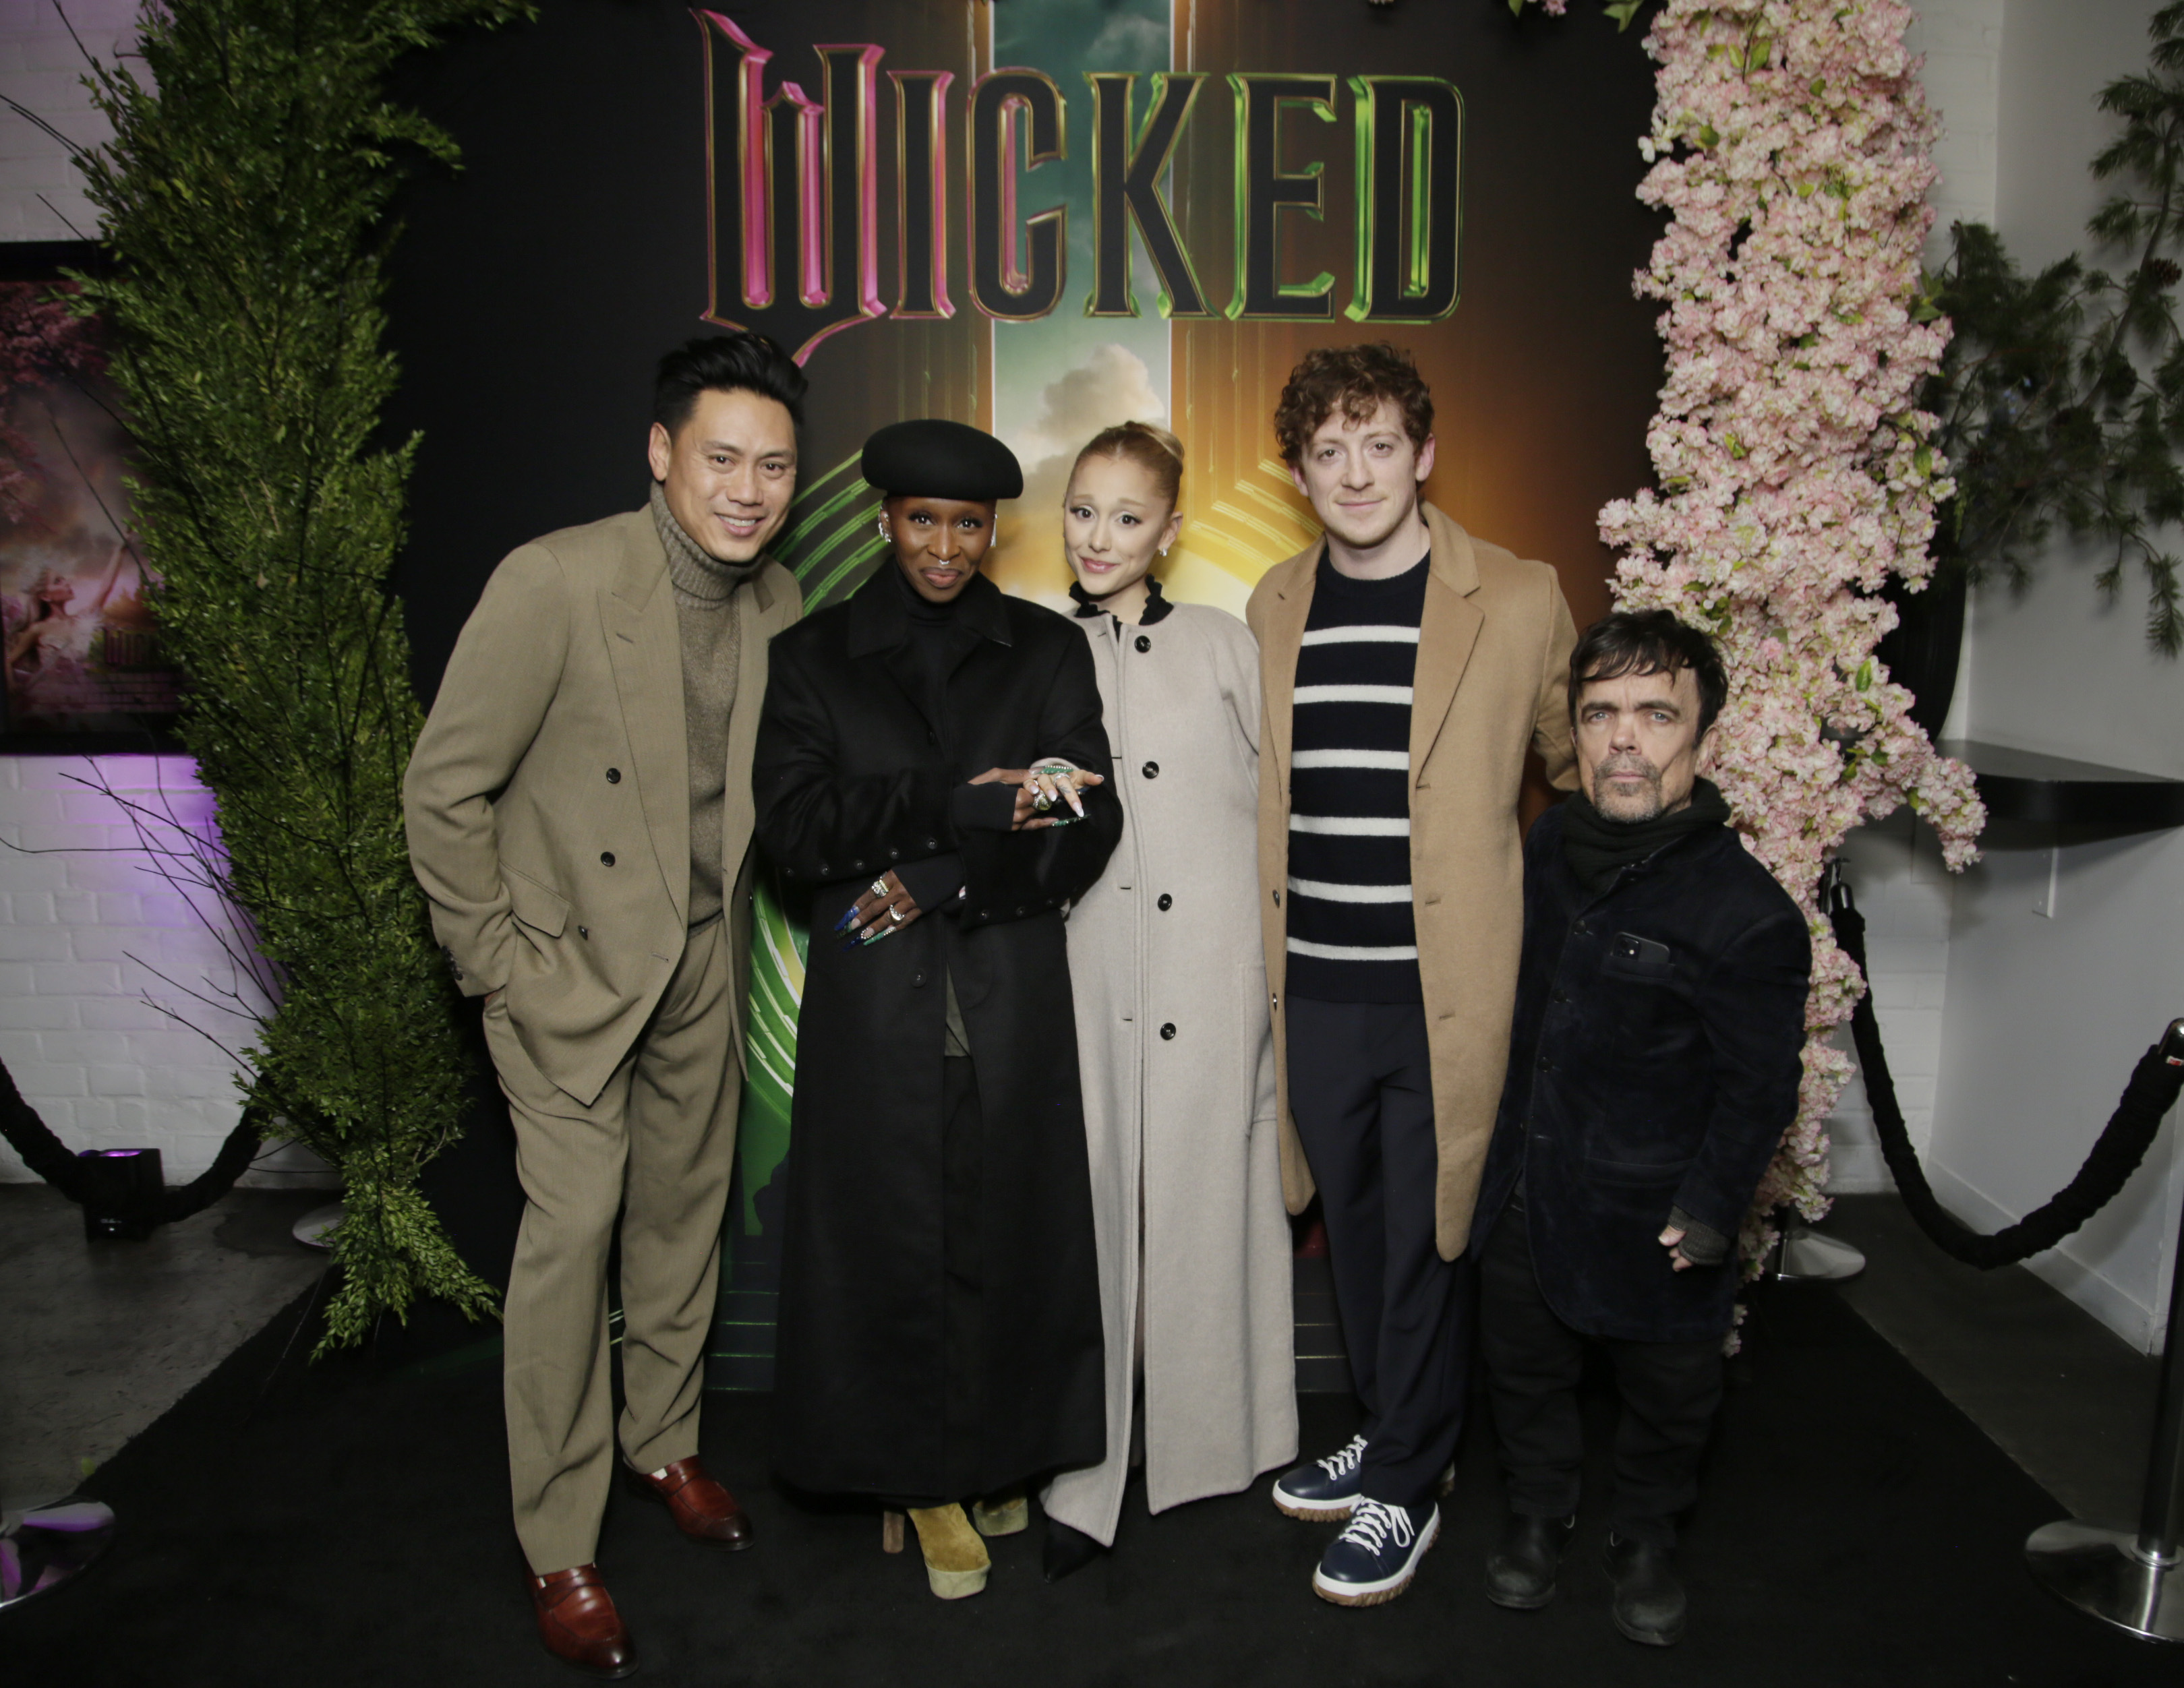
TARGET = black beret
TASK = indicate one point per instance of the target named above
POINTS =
(938, 459)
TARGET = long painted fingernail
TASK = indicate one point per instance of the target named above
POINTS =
(848, 919)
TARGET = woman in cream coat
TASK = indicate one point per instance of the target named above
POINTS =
(1175, 1050)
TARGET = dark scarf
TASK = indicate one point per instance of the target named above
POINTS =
(937, 640)
(1598, 848)
(1090, 608)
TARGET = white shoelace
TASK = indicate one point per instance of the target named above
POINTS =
(1344, 1460)
(1375, 1522)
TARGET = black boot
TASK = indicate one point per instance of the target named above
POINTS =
(1649, 1601)
(1520, 1571)
(1067, 1550)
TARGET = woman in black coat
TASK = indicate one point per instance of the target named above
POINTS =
(939, 1334)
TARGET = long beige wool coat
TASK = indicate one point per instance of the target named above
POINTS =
(1492, 681)
(1175, 1045)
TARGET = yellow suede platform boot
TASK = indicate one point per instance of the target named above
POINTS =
(955, 1559)
(1006, 1513)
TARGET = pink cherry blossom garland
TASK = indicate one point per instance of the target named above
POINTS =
(1790, 145)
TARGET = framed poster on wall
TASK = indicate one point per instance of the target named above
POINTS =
(84, 668)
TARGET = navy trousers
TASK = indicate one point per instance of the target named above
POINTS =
(1361, 1088)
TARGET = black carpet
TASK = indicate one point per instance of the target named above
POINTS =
(347, 1523)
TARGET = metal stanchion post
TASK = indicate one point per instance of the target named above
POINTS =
(2134, 1582)
(1808, 1257)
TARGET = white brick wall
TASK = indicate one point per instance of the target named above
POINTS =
(42, 69)
(88, 927)
(1895, 871)
(1962, 42)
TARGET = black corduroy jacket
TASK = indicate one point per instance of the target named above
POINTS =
(1654, 1063)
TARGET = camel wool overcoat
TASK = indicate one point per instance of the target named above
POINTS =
(1176, 1053)
(1492, 683)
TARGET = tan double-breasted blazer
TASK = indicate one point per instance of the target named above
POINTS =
(548, 799)
(1492, 678)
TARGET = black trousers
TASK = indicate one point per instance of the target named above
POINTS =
(1361, 1087)
(1668, 1393)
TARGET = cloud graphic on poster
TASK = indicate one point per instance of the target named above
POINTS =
(1110, 386)
(1126, 43)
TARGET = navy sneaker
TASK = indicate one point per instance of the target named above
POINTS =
(1323, 1490)
(1372, 1559)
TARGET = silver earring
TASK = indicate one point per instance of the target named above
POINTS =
(884, 532)
(1164, 550)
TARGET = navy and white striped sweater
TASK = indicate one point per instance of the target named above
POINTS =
(1352, 938)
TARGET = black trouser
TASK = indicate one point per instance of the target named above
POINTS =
(1668, 1392)
(1361, 1088)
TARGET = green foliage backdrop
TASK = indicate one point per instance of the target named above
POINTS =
(245, 195)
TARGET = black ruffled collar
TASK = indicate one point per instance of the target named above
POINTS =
(1090, 608)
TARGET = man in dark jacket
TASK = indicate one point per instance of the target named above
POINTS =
(1654, 1065)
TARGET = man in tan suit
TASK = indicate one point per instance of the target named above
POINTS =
(579, 813)
(1406, 669)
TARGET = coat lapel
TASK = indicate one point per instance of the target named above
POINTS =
(644, 646)
(1447, 630)
(1283, 639)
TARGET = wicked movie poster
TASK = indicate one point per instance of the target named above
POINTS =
(83, 665)
(1041, 219)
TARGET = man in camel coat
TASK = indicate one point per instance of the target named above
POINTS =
(579, 812)
(1406, 669)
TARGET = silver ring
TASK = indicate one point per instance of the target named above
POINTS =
(894, 914)
(879, 888)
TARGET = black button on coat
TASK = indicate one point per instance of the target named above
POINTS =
(847, 769)
(1654, 1063)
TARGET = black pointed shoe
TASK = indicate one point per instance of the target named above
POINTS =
(1649, 1601)
(1520, 1571)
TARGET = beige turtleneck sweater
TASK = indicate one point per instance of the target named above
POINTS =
(708, 612)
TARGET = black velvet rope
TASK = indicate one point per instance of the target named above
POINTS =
(47, 1156)
(2115, 1155)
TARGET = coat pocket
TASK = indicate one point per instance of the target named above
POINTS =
(1637, 1174)
(538, 906)
(1255, 1041)
(1637, 993)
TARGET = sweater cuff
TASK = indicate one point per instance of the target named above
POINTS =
(933, 883)
(988, 808)
(1703, 1245)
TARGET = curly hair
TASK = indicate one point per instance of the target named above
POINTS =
(1353, 380)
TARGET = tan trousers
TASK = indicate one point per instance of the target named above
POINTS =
(657, 1145)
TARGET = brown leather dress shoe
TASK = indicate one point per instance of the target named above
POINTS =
(704, 1511)
(579, 1624)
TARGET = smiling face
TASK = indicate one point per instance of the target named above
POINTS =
(729, 472)
(1115, 522)
(1363, 480)
(939, 543)
(1638, 743)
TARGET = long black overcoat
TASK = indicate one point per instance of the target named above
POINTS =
(1654, 1063)
(852, 778)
